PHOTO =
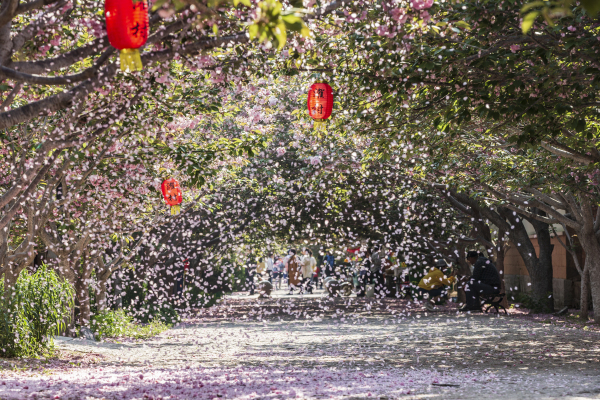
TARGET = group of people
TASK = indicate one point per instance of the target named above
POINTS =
(303, 274)
(371, 272)
(300, 271)
(484, 280)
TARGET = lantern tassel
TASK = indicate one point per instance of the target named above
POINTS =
(320, 125)
(175, 209)
(131, 60)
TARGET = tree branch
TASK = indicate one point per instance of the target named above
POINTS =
(33, 5)
(7, 11)
(56, 80)
(571, 154)
(11, 96)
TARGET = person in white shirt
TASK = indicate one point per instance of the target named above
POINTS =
(269, 262)
(278, 268)
(308, 269)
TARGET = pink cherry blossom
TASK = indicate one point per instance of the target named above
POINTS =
(421, 4)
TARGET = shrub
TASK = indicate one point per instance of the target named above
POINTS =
(110, 323)
(116, 323)
(32, 311)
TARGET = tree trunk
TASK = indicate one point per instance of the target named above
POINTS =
(10, 277)
(13, 269)
(102, 289)
(543, 273)
(117, 285)
(465, 272)
(103, 273)
(62, 266)
(500, 268)
(83, 291)
(538, 267)
(101, 295)
(595, 287)
(10, 269)
(585, 293)
(591, 247)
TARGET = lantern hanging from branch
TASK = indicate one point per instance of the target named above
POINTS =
(172, 194)
(127, 27)
(320, 103)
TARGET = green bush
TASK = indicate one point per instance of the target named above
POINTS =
(32, 311)
(110, 323)
(116, 323)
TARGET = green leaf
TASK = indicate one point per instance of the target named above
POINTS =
(281, 36)
(296, 24)
(528, 21)
(253, 31)
(462, 24)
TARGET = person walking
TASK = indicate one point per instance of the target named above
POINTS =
(269, 264)
(308, 264)
(261, 268)
(294, 271)
(278, 272)
(484, 280)
(314, 268)
(329, 267)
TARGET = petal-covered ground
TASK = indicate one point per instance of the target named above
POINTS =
(236, 382)
(350, 349)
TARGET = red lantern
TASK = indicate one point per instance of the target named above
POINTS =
(320, 102)
(172, 194)
(127, 26)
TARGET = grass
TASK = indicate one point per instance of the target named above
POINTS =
(139, 331)
(117, 324)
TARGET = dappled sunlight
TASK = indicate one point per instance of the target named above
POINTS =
(445, 355)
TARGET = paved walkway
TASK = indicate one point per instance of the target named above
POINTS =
(347, 348)
(281, 294)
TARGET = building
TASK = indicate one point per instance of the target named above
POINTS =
(566, 282)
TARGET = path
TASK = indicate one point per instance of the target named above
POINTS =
(407, 354)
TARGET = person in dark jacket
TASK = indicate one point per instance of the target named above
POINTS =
(329, 265)
(484, 280)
